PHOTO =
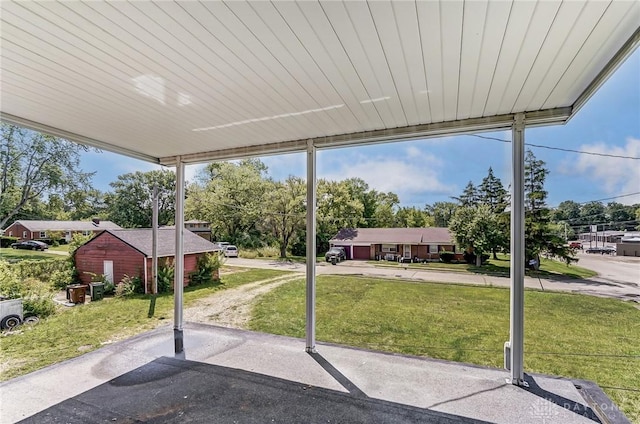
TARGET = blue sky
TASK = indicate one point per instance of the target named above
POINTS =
(431, 170)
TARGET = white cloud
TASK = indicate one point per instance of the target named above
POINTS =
(412, 171)
(617, 176)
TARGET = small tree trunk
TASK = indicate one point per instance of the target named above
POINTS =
(478, 259)
(283, 251)
(495, 255)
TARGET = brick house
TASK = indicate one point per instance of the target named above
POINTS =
(40, 230)
(115, 253)
(395, 243)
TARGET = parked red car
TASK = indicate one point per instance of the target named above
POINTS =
(575, 245)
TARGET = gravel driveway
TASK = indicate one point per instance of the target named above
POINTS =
(232, 307)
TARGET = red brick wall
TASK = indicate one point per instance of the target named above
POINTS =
(190, 265)
(16, 231)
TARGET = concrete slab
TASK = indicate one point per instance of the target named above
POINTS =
(455, 391)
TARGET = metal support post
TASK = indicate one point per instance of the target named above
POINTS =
(154, 243)
(178, 285)
(515, 348)
(311, 249)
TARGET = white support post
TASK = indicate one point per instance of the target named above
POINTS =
(154, 244)
(178, 285)
(514, 352)
(311, 249)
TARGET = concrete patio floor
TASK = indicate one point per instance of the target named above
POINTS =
(338, 384)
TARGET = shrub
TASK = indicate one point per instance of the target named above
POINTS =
(269, 252)
(128, 286)
(6, 241)
(40, 270)
(248, 254)
(447, 257)
(165, 276)
(61, 278)
(207, 270)
(37, 297)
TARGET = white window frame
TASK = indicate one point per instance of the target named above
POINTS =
(433, 248)
(24, 234)
(389, 248)
(87, 232)
(43, 234)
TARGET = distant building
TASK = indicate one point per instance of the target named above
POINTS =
(629, 245)
(201, 228)
(395, 243)
(41, 230)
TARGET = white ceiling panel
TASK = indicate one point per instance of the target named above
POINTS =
(220, 79)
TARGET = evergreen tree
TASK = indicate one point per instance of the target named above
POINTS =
(469, 196)
(535, 174)
(540, 235)
(491, 192)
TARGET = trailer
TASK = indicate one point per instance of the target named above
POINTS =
(11, 313)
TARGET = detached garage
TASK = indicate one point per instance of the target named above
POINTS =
(115, 253)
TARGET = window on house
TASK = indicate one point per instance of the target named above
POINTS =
(433, 248)
(24, 234)
(87, 232)
(43, 234)
(389, 248)
(10, 233)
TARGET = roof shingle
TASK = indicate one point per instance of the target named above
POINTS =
(140, 239)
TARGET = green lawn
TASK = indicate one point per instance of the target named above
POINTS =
(13, 255)
(569, 335)
(548, 268)
(96, 323)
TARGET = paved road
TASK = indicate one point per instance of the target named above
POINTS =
(616, 269)
(595, 287)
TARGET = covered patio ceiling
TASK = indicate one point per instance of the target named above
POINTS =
(208, 80)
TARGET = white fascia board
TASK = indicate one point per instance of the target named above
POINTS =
(472, 125)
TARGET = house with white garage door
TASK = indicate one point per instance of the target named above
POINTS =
(395, 243)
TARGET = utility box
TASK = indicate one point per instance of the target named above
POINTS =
(77, 293)
(97, 291)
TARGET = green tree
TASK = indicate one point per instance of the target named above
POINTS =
(360, 190)
(412, 217)
(620, 217)
(285, 214)
(441, 212)
(592, 213)
(386, 204)
(491, 192)
(469, 196)
(130, 205)
(477, 228)
(535, 175)
(231, 196)
(336, 209)
(540, 235)
(34, 166)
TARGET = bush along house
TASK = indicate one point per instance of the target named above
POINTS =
(397, 244)
(116, 253)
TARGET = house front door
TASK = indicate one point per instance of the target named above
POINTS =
(407, 251)
(108, 270)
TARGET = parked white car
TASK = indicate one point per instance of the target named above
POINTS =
(230, 251)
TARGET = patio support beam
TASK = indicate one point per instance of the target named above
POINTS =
(516, 338)
(311, 249)
(178, 282)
